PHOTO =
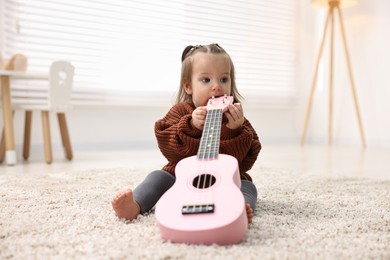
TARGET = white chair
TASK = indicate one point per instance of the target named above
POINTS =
(58, 101)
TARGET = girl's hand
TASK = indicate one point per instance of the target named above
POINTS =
(235, 116)
(199, 117)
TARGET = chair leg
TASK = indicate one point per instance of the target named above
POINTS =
(65, 136)
(27, 134)
(2, 147)
(46, 136)
(2, 143)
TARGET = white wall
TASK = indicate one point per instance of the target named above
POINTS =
(368, 36)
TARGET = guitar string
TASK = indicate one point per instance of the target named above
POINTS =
(206, 145)
(210, 132)
(201, 150)
(210, 145)
(215, 146)
(210, 151)
(216, 139)
(203, 154)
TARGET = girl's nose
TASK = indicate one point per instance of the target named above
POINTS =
(216, 86)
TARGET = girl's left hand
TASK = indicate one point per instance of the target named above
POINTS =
(235, 116)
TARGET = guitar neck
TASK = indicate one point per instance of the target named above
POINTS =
(209, 142)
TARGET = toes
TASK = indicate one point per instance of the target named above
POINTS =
(118, 197)
(114, 200)
(121, 196)
(127, 193)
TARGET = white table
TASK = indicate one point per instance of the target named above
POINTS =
(5, 78)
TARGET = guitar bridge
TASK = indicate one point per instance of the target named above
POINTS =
(197, 209)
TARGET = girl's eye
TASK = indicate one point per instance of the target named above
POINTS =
(225, 80)
(206, 80)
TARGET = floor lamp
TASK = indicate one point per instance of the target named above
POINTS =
(333, 7)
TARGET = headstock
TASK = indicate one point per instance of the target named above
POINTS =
(220, 102)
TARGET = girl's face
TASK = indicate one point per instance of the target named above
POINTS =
(210, 77)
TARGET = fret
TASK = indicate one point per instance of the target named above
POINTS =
(209, 143)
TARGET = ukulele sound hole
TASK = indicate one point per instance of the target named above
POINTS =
(204, 181)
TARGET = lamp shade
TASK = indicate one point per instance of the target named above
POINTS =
(343, 3)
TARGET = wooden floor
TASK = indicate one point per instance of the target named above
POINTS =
(329, 161)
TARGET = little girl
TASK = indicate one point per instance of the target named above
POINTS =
(207, 71)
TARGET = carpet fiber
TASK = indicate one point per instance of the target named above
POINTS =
(69, 216)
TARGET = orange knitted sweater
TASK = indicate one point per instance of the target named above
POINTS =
(177, 139)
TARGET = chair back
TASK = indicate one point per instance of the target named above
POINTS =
(61, 82)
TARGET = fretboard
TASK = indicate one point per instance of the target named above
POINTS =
(209, 142)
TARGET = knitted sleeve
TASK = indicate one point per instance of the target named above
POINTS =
(177, 138)
(242, 143)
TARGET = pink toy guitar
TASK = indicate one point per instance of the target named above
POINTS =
(205, 205)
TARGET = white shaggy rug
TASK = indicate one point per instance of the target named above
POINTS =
(69, 216)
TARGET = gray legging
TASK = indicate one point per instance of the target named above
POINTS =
(148, 192)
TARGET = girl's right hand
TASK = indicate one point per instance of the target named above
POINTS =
(199, 117)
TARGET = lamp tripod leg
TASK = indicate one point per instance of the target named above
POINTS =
(355, 99)
(313, 84)
(331, 53)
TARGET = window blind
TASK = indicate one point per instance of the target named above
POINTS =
(129, 48)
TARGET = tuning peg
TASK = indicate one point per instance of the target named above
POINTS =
(224, 99)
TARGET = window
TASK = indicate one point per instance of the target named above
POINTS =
(132, 48)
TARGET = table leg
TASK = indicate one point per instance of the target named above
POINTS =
(10, 154)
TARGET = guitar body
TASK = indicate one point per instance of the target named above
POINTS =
(205, 205)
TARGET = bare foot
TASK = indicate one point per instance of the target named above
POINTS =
(249, 212)
(124, 205)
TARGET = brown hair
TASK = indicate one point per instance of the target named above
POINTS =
(186, 69)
